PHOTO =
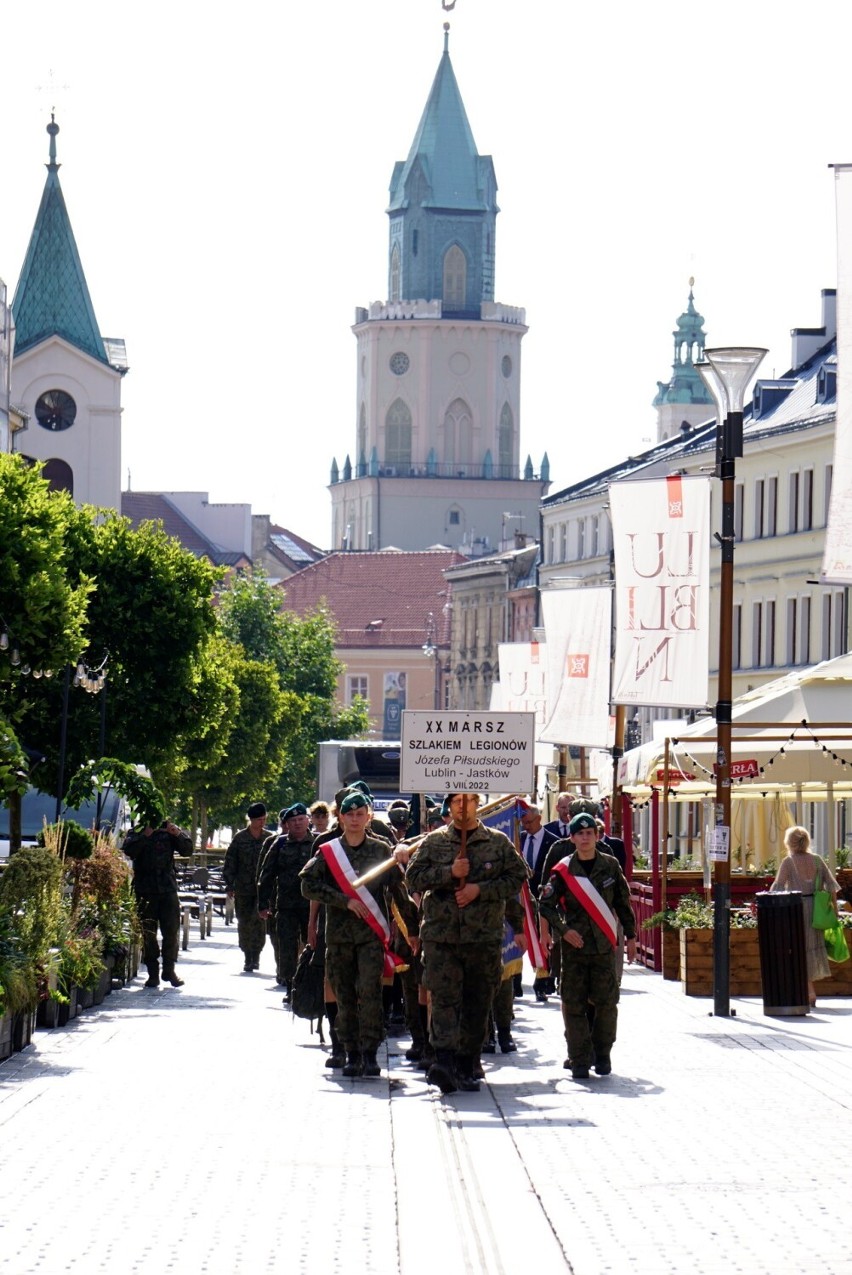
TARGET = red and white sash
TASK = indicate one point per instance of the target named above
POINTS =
(589, 899)
(538, 960)
(344, 874)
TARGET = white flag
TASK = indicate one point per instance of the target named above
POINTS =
(837, 554)
(661, 537)
(578, 633)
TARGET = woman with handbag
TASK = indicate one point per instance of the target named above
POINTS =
(806, 872)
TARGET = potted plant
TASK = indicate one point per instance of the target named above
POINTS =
(693, 921)
(18, 985)
(30, 893)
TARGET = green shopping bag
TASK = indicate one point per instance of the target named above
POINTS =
(835, 944)
(825, 917)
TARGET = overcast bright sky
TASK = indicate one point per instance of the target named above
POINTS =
(226, 171)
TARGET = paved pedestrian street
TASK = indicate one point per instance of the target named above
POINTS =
(197, 1130)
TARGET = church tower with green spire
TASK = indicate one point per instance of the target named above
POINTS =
(65, 375)
(685, 400)
(436, 456)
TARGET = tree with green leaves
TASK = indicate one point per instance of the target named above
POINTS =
(301, 650)
(150, 615)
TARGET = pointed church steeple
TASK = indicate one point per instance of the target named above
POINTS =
(684, 400)
(52, 297)
(443, 207)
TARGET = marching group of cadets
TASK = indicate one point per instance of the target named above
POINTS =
(433, 913)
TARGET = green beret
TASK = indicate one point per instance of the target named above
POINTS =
(298, 808)
(580, 822)
(354, 801)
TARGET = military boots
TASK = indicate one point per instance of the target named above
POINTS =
(371, 1066)
(337, 1057)
(443, 1071)
(153, 979)
(467, 1082)
(353, 1065)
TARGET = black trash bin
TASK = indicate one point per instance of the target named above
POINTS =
(783, 968)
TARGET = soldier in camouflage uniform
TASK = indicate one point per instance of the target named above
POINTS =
(463, 904)
(278, 886)
(354, 955)
(588, 957)
(153, 851)
(240, 869)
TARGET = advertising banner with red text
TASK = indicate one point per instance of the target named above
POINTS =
(578, 638)
(661, 538)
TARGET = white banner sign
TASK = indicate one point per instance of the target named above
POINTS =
(522, 688)
(467, 752)
(578, 631)
(661, 536)
(837, 555)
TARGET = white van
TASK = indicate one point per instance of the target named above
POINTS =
(38, 807)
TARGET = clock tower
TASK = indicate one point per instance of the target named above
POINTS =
(65, 375)
(437, 455)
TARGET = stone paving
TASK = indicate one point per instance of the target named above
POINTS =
(196, 1130)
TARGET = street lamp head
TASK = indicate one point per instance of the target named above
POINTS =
(713, 382)
(734, 366)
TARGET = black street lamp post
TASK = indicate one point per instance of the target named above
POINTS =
(727, 375)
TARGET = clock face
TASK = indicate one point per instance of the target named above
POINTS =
(399, 363)
(55, 410)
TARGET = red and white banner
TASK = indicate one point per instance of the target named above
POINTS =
(837, 554)
(661, 538)
(344, 874)
(578, 633)
(590, 901)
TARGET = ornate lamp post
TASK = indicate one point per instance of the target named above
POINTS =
(727, 375)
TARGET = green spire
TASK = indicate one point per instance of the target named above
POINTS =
(686, 385)
(445, 147)
(52, 298)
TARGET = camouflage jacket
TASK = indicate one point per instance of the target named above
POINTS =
(278, 883)
(242, 861)
(495, 866)
(154, 859)
(342, 925)
(563, 912)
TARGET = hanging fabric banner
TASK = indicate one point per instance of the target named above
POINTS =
(578, 639)
(837, 554)
(661, 538)
(522, 688)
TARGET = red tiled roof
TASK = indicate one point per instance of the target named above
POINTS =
(361, 589)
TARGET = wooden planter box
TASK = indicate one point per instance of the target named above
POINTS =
(670, 940)
(69, 1011)
(696, 963)
(5, 1037)
(23, 1026)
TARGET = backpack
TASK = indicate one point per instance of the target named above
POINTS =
(307, 998)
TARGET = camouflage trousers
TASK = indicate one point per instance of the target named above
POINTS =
(589, 989)
(410, 980)
(354, 971)
(503, 1005)
(251, 931)
(291, 927)
(159, 911)
(461, 979)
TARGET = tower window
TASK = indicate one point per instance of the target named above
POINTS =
(56, 410)
(398, 435)
(414, 237)
(394, 274)
(455, 277)
(505, 439)
(455, 518)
